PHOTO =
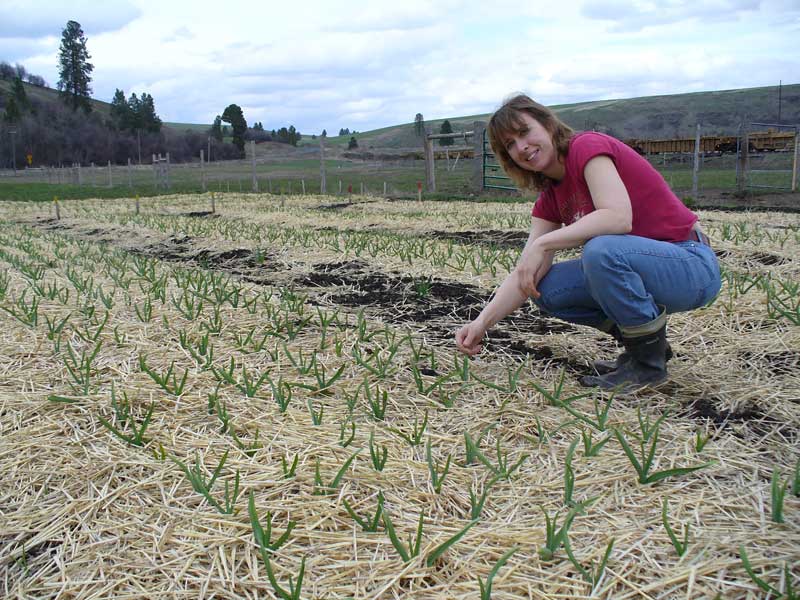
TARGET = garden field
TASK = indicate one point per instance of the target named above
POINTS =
(259, 396)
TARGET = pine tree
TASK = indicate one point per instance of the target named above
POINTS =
(74, 68)
(120, 111)
(149, 118)
(353, 143)
(324, 133)
(135, 113)
(446, 128)
(216, 129)
(233, 114)
(12, 113)
(20, 95)
(419, 125)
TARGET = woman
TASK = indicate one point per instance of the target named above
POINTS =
(644, 255)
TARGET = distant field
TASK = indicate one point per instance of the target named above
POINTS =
(301, 172)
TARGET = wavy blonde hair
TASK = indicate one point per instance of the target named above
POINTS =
(506, 120)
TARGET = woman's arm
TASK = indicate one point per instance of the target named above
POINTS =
(612, 214)
(532, 266)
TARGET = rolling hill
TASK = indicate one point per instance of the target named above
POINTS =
(653, 117)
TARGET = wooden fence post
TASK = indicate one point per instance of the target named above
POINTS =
(478, 127)
(430, 173)
(795, 165)
(130, 176)
(110, 181)
(169, 187)
(323, 184)
(696, 166)
(202, 171)
(743, 163)
(253, 164)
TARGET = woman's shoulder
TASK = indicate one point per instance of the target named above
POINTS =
(586, 145)
(593, 139)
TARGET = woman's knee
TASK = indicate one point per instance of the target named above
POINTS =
(598, 253)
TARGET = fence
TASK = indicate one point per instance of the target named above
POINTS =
(774, 164)
(445, 172)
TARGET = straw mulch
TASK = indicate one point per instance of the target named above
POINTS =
(85, 515)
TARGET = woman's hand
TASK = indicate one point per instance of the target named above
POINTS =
(469, 337)
(534, 263)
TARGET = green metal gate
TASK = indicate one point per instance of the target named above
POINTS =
(494, 178)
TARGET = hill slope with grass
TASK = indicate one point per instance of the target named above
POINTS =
(652, 117)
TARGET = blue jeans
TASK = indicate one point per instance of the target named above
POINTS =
(624, 277)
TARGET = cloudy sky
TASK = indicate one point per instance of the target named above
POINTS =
(362, 65)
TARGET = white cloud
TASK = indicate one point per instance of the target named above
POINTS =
(22, 20)
(319, 64)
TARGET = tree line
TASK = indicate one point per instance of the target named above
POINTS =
(39, 132)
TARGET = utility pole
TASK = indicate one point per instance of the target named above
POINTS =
(209, 149)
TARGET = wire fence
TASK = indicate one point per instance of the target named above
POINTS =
(396, 178)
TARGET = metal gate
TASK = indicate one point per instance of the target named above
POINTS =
(768, 159)
(494, 178)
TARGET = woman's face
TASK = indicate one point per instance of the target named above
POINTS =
(531, 148)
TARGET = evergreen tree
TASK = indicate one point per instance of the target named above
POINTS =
(20, 96)
(353, 143)
(233, 114)
(36, 80)
(135, 122)
(6, 70)
(74, 68)
(294, 136)
(12, 113)
(419, 125)
(446, 128)
(216, 129)
(149, 119)
(120, 111)
(324, 133)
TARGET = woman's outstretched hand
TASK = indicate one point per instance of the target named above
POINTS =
(469, 337)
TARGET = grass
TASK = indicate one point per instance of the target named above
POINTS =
(292, 176)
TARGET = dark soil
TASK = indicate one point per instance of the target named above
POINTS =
(201, 213)
(494, 237)
(336, 206)
(765, 258)
(778, 363)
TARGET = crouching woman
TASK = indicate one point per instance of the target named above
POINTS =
(643, 256)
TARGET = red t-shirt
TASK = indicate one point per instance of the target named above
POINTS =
(657, 212)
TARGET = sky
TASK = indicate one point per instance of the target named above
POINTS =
(332, 64)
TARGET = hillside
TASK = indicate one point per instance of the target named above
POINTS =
(653, 117)
(45, 94)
